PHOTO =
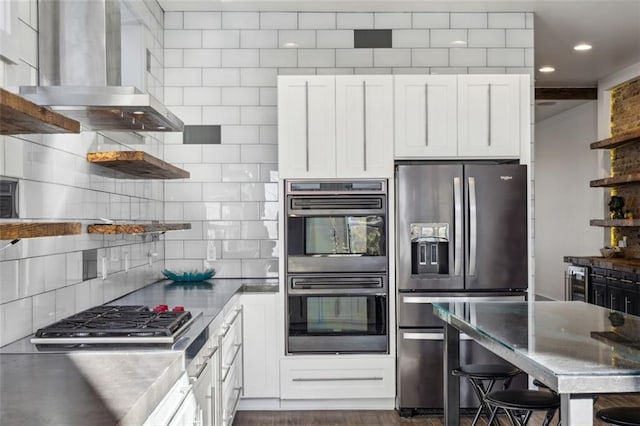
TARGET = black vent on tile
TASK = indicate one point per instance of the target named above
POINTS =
(372, 39)
(148, 60)
(8, 199)
(201, 134)
(89, 264)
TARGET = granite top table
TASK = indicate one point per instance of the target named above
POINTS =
(575, 348)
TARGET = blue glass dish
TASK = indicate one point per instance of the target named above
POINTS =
(189, 276)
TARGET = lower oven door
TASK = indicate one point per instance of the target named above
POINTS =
(337, 321)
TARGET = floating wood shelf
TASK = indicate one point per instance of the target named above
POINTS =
(616, 180)
(618, 140)
(136, 228)
(607, 223)
(20, 116)
(137, 165)
(17, 230)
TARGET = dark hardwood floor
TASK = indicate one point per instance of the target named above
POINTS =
(386, 417)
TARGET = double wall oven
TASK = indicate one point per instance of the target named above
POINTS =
(336, 266)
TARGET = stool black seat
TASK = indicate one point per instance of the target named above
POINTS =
(520, 404)
(620, 416)
(478, 374)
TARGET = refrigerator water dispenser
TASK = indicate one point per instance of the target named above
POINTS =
(430, 248)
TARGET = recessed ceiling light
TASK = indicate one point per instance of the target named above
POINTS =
(458, 42)
(582, 47)
(547, 68)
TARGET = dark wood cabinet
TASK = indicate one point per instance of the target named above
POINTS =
(619, 291)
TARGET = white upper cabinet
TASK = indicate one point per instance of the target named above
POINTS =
(364, 126)
(425, 116)
(306, 126)
(489, 115)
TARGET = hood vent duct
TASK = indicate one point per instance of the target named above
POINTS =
(80, 70)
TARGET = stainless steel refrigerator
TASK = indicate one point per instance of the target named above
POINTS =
(461, 231)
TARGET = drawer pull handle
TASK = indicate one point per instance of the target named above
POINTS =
(230, 416)
(336, 379)
(227, 326)
(227, 368)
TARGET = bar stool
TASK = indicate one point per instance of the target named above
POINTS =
(520, 404)
(482, 378)
(620, 416)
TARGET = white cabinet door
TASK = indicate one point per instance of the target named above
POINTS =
(425, 116)
(261, 345)
(306, 126)
(364, 126)
(489, 109)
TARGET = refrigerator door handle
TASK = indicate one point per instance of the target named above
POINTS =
(454, 299)
(473, 226)
(430, 336)
(457, 225)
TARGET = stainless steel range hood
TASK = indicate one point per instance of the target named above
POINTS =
(80, 70)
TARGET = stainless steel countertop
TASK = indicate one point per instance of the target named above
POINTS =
(85, 388)
(114, 385)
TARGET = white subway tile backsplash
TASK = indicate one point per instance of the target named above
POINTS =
(259, 153)
(74, 267)
(221, 77)
(182, 39)
(240, 20)
(28, 39)
(505, 57)
(44, 309)
(410, 70)
(372, 71)
(304, 39)
(83, 297)
(468, 20)
(507, 20)
(259, 268)
(202, 20)
(173, 58)
(258, 39)
(355, 20)
(240, 211)
(16, 320)
(519, 38)
(354, 57)
(449, 70)
(430, 20)
(276, 58)
(269, 210)
(241, 249)
(201, 58)
(201, 96)
(445, 38)
(391, 57)
(468, 57)
(221, 153)
(317, 21)
(259, 230)
(183, 191)
(221, 192)
(334, 71)
(487, 70)
(191, 115)
(391, 20)
(240, 172)
(258, 77)
(228, 268)
(410, 38)
(56, 272)
(334, 39)
(65, 302)
(278, 20)
(250, 115)
(182, 77)
(173, 20)
(487, 38)
(259, 191)
(529, 18)
(221, 229)
(220, 115)
(268, 134)
(320, 58)
(429, 57)
(240, 58)
(9, 281)
(268, 96)
(240, 96)
(529, 59)
(204, 172)
(240, 134)
(269, 249)
(173, 211)
(195, 249)
(296, 71)
(227, 39)
(211, 212)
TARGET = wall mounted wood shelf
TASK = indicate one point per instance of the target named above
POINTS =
(20, 116)
(17, 230)
(616, 180)
(136, 228)
(618, 140)
(607, 223)
(137, 165)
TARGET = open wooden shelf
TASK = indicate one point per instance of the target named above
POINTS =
(616, 180)
(17, 230)
(618, 140)
(136, 228)
(137, 165)
(607, 223)
(20, 116)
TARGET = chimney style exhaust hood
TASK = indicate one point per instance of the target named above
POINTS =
(80, 72)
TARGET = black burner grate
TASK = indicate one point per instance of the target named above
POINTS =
(117, 321)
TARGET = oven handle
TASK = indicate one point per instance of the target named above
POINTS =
(338, 292)
(454, 299)
(430, 336)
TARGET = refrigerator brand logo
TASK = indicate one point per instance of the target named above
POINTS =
(506, 177)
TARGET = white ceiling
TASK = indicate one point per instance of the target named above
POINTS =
(612, 27)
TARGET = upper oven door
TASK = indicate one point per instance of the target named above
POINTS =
(340, 233)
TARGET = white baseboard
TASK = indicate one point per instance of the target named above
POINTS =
(259, 404)
(273, 404)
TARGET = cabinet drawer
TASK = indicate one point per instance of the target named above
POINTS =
(231, 392)
(230, 337)
(337, 379)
